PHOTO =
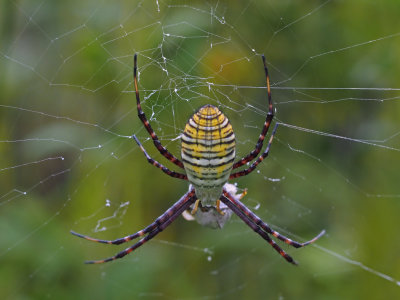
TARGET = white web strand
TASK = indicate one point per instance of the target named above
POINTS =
(359, 265)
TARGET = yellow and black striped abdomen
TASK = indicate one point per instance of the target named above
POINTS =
(208, 152)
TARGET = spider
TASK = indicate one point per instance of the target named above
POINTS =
(208, 154)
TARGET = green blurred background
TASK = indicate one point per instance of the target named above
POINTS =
(67, 111)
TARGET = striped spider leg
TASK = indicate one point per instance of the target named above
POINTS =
(157, 164)
(146, 123)
(270, 115)
(255, 223)
(258, 160)
(152, 230)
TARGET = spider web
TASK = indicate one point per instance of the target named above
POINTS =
(68, 112)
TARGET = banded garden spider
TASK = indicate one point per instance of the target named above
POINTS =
(208, 154)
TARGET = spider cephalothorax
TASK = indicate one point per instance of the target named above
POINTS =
(208, 153)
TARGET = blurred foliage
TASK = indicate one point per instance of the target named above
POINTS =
(68, 109)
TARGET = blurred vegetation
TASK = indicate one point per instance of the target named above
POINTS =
(66, 88)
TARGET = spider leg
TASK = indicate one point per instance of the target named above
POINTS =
(157, 164)
(147, 238)
(253, 217)
(267, 123)
(147, 125)
(256, 228)
(158, 222)
(259, 159)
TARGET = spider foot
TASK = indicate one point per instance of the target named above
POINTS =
(90, 238)
(315, 238)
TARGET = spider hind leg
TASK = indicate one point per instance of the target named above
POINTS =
(260, 227)
(152, 230)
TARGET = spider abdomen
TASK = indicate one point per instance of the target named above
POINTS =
(208, 152)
